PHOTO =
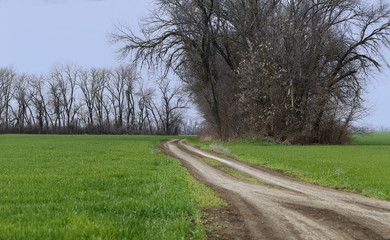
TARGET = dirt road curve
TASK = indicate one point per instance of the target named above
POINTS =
(287, 208)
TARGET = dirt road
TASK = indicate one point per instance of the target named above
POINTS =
(285, 208)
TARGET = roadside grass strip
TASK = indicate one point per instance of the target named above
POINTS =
(212, 162)
(363, 167)
(97, 187)
(241, 176)
(233, 172)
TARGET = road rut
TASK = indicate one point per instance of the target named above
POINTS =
(287, 208)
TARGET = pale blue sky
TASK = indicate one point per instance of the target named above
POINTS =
(35, 34)
(38, 33)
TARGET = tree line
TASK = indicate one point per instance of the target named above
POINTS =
(74, 100)
(290, 70)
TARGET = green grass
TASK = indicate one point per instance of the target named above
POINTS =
(379, 139)
(232, 172)
(212, 162)
(241, 176)
(363, 167)
(96, 187)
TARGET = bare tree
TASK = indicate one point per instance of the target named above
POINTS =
(63, 86)
(183, 34)
(116, 88)
(39, 102)
(305, 73)
(75, 100)
(93, 84)
(145, 108)
(292, 69)
(20, 113)
(130, 75)
(7, 78)
(55, 104)
(102, 77)
(172, 102)
(88, 83)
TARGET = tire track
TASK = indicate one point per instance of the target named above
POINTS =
(296, 210)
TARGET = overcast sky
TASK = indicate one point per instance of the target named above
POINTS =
(35, 34)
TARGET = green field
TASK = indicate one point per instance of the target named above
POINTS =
(96, 187)
(363, 167)
(120, 187)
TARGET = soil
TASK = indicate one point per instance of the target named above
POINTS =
(284, 208)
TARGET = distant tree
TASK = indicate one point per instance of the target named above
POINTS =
(77, 100)
(101, 77)
(173, 101)
(39, 102)
(63, 87)
(92, 83)
(131, 79)
(7, 79)
(145, 107)
(121, 89)
(22, 108)
(88, 86)
(55, 104)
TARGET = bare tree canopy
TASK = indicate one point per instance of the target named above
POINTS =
(291, 70)
(74, 100)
